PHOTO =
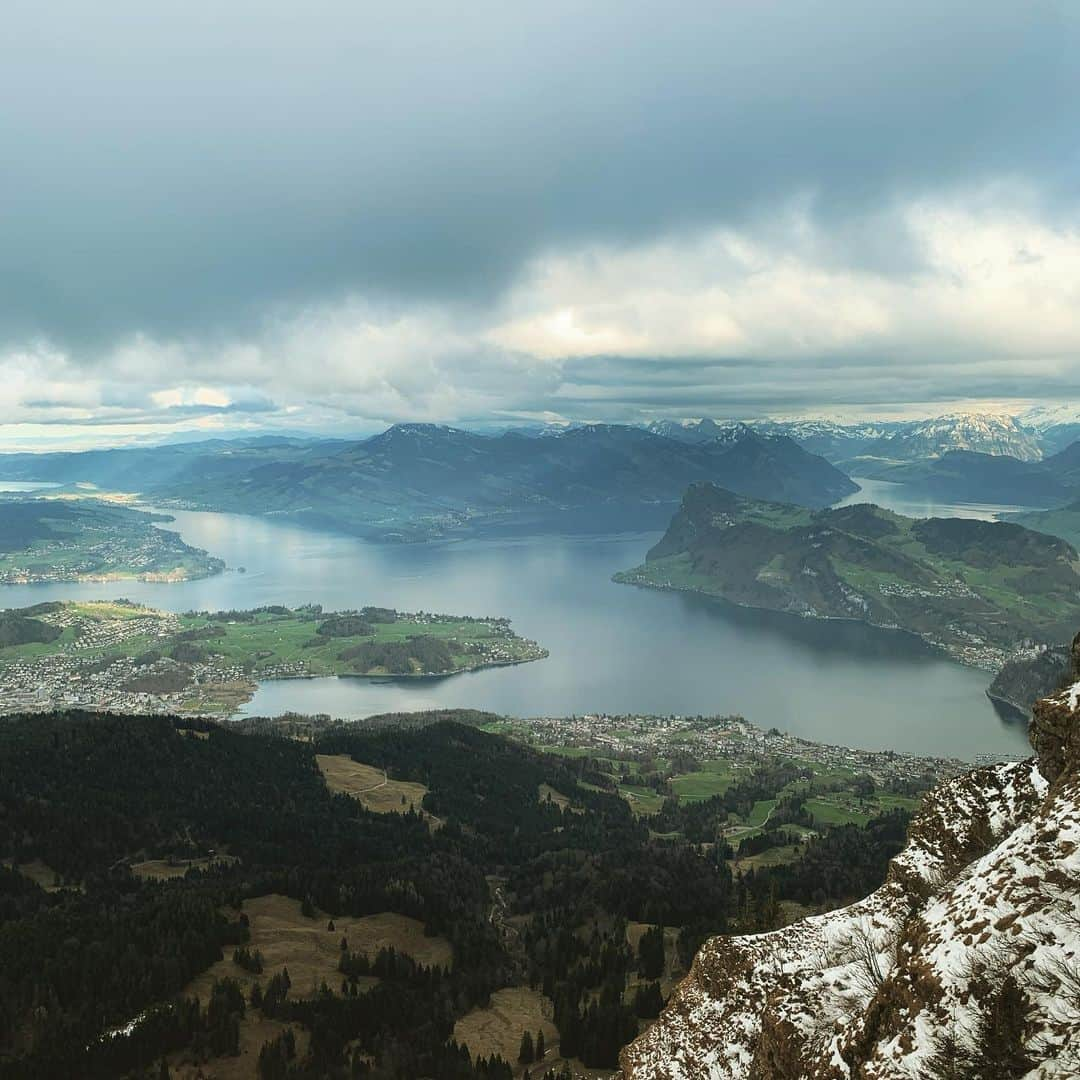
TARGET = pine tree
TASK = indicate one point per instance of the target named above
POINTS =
(525, 1054)
(541, 1050)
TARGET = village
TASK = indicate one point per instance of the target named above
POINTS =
(721, 737)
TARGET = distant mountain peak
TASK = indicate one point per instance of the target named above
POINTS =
(986, 433)
(702, 430)
(420, 428)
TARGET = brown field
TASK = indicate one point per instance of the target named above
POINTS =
(310, 951)
(498, 1028)
(371, 786)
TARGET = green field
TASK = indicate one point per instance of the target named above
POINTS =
(788, 794)
(714, 778)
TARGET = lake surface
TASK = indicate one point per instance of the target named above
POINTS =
(909, 501)
(614, 648)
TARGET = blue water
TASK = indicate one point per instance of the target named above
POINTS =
(614, 648)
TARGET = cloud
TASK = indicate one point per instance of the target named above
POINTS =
(345, 214)
(722, 321)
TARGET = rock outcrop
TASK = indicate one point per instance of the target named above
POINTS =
(964, 964)
(1022, 682)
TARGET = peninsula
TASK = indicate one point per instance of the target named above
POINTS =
(55, 539)
(980, 591)
(129, 658)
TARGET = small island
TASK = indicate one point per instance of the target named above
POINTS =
(982, 592)
(125, 657)
(58, 539)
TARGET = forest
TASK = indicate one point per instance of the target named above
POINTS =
(100, 945)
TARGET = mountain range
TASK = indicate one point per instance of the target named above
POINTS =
(866, 447)
(420, 481)
(984, 433)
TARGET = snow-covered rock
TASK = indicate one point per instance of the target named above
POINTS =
(965, 963)
(983, 433)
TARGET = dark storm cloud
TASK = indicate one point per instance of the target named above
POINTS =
(176, 169)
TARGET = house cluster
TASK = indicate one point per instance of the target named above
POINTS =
(731, 737)
(119, 553)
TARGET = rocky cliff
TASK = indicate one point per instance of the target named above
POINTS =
(1023, 681)
(964, 964)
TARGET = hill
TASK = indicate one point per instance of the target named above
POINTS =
(963, 965)
(1025, 679)
(976, 589)
(418, 481)
(1063, 522)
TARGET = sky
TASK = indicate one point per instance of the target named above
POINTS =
(330, 216)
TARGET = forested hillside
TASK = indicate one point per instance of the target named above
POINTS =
(540, 892)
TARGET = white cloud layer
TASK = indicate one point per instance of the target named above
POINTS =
(986, 306)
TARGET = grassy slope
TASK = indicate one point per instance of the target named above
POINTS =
(1063, 523)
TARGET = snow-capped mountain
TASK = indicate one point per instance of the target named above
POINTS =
(983, 433)
(834, 441)
(827, 429)
(700, 431)
(1027, 436)
(1057, 426)
(966, 963)
(1042, 417)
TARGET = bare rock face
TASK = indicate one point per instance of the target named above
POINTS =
(965, 963)
(1055, 730)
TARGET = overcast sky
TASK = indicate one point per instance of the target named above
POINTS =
(333, 215)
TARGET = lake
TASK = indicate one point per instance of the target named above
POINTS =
(614, 648)
(903, 499)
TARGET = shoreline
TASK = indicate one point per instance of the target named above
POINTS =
(150, 577)
(622, 577)
(387, 676)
